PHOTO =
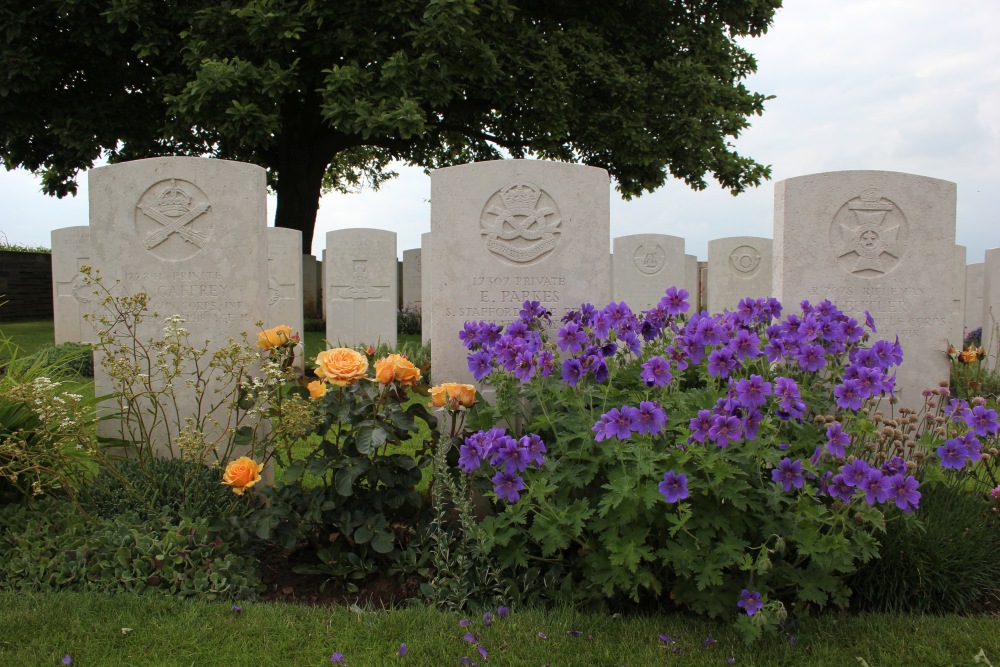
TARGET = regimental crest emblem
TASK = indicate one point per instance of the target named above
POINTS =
(520, 223)
(649, 257)
(361, 284)
(273, 291)
(80, 290)
(869, 235)
(745, 260)
(171, 219)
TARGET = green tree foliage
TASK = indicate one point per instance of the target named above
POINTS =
(326, 94)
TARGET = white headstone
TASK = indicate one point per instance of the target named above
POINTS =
(284, 282)
(702, 286)
(877, 241)
(958, 298)
(425, 286)
(190, 233)
(72, 298)
(691, 280)
(310, 287)
(361, 287)
(644, 266)
(510, 231)
(991, 305)
(738, 267)
(321, 278)
(973, 297)
(412, 285)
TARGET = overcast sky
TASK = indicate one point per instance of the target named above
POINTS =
(897, 85)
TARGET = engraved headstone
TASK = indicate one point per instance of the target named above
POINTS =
(691, 281)
(425, 286)
(958, 297)
(310, 287)
(72, 298)
(321, 277)
(973, 297)
(508, 231)
(191, 234)
(644, 266)
(284, 282)
(412, 265)
(991, 306)
(877, 241)
(361, 287)
(740, 267)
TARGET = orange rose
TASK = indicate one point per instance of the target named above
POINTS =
(316, 389)
(452, 393)
(341, 366)
(396, 367)
(276, 337)
(968, 356)
(241, 474)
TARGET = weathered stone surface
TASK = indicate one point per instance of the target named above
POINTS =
(877, 241)
(72, 298)
(738, 267)
(508, 231)
(191, 234)
(412, 283)
(958, 297)
(284, 282)
(361, 287)
(991, 305)
(974, 296)
(310, 287)
(691, 280)
(426, 286)
(644, 266)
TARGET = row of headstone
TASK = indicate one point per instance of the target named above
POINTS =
(191, 233)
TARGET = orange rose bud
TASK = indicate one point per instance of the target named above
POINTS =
(396, 368)
(276, 337)
(341, 366)
(316, 389)
(383, 371)
(454, 394)
(370, 351)
(241, 474)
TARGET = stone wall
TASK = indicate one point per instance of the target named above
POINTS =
(25, 286)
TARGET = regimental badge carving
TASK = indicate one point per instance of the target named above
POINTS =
(80, 290)
(869, 235)
(649, 257)
(273, 291)
(520, 223)
(171, 219)
(361, 283)
(745, 260)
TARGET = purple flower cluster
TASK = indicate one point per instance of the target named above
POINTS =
(648, 418)
(887, 483)
(589, 336)
(509, 455)
(980, 421)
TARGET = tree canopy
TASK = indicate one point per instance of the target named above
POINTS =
(326, 95)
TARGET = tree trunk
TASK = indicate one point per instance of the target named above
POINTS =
(305, 149)
(299, 187)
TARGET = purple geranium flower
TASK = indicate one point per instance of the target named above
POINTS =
(572, 371)
(674, 301)
(953, 454)
(789, 474)
(750, 601)
(674, 486)
(725, 429)
(837, 440)
(656, 372)
(508, 486)
(876, 486)
(700, 426)
(753, 392)
(982, 421)
(848, 395)
(905, 490)
(650, 418)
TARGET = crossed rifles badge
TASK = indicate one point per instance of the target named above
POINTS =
(174, 210)
(870, 237)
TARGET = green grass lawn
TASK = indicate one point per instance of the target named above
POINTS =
(28, 336)
(100, 629)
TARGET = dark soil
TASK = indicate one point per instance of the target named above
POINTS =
(283, 584)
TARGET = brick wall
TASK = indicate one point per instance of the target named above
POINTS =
(25, 286)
